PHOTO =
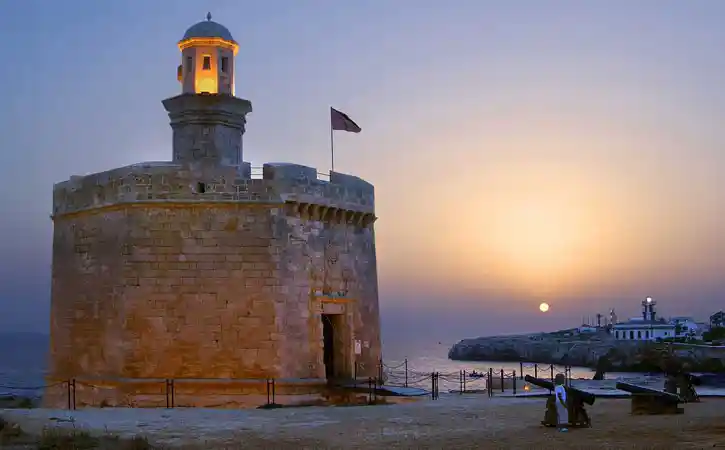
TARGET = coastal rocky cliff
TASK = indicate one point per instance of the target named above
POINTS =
(585, 351)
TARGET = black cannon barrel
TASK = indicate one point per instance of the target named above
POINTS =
(635, 389)
(587, 397)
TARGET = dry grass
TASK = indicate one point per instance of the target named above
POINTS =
(12, 437)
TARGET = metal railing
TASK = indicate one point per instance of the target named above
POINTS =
(167, 391)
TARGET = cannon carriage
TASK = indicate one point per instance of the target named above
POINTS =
(575, 399)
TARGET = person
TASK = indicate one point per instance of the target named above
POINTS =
(562, 412)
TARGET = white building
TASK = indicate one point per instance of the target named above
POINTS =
(687, 327)
(645, 328)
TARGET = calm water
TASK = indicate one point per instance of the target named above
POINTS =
(423, 358)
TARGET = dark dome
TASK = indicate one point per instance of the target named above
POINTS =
(208, 29)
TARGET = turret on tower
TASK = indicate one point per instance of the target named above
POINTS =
(207, 119)
(207, 59)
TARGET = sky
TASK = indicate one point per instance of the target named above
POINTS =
(522, 151)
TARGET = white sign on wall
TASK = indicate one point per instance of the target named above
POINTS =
(358, 347)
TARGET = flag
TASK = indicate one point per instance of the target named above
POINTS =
(340, 121)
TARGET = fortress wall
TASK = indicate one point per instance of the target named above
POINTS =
(170, 182)
(152, 278)
(87, 298)
(192, 293)
(323, 256)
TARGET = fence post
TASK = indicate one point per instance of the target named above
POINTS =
(521, 369)
(406, 372)
(370, 390)
(464, 380)
(536, 370)
(438, 375)
(274, 391)
(432, 385)
(514, 380)
(552, 372)
(69, 395)
(173, 393)
(73, 382)
(166, 391)
(354, 372)
(489, 384)
(380, 372)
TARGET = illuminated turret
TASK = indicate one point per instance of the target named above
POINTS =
(207, 59)
(207, 119)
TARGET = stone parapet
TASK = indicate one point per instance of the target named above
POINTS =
(170, 182)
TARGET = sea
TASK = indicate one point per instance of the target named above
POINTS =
(23, 360)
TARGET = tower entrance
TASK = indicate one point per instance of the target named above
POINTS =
(333, 346)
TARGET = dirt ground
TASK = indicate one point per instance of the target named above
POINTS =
(453, 423)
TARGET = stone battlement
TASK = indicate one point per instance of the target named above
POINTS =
(171, 182)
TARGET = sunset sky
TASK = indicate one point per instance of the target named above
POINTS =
(522, 151)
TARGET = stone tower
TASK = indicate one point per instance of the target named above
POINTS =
(196, 274)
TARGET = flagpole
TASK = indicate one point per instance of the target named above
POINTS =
(332, 148)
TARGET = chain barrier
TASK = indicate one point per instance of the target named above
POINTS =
(464, 381)
(396, 375)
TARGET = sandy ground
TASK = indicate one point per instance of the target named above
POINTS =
(456, 422)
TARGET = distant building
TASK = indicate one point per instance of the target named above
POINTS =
(646, 328)
(717, 319)
(687, 327)
(643, 330)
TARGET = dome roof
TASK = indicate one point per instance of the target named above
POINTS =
(208, 29)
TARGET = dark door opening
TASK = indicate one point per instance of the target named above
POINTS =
(328, 337)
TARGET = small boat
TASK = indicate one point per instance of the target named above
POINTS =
(474, 374)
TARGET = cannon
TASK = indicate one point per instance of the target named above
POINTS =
(646, 401)
(682, 384)
(575, 399)
(687, 388)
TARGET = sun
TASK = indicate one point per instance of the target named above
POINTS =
(544, 307)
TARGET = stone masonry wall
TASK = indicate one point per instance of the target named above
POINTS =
(164, 293)
(155, 277)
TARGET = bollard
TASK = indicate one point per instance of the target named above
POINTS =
(501, 380)
(514, 380)
(536, 371)
(460, 381)
(69, 395)
(464, 381)
(521, 369)
(406, 372)
(354, 371)
(552, 372)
